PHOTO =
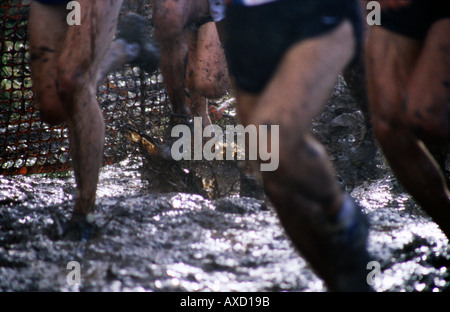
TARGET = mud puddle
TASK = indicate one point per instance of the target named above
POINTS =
(184, 242)
(165, 242)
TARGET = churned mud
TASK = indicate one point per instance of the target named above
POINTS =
(185, 241)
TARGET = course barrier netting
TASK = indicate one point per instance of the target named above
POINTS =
(27, 144)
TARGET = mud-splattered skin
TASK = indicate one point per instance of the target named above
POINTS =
(65, 65)
(192, 61)
(409, 98)
(303, 189)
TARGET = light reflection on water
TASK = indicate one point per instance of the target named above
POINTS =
(184, 242)
(403, 239)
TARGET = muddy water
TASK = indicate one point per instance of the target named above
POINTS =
(184, 242)
(174, 241)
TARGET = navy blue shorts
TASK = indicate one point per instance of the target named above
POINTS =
(415, 20)
(52, 2)
(259, 36)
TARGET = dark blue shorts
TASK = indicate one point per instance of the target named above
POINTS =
(52, 2)
(259, 36)
(415, 20)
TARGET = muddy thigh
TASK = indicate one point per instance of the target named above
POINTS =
(211, 71)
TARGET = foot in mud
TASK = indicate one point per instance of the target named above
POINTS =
(348, 232)
(251, 184)
(168, 140)
(364, 155)
(132, 29)
(78, 228)
(251, 187)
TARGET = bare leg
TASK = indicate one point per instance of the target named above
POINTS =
(428, 109)
(207, 72)
(211, 77)
(170, 18)
(303, 188)
(79, 89)
(191, 58)
(47, 28)
(398, 69)
(196, 101)
(76, 65)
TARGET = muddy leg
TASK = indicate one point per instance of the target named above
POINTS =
(213, 77)
(355, 78)
(76, 66)
(314, 212)
(207, 72)
(394, 65)
(169, 20)
(196, 102)
(47, 30)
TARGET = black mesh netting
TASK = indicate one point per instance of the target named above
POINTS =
(28, 145)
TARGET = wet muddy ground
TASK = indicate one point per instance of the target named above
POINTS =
(154, 241)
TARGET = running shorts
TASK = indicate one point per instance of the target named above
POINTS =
(52, 2)
(258, 36)
(415, 20)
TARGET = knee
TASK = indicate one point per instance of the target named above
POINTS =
(304, 170)
(48, 101)
(51, 110)
(67, 81)
(70, 81)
